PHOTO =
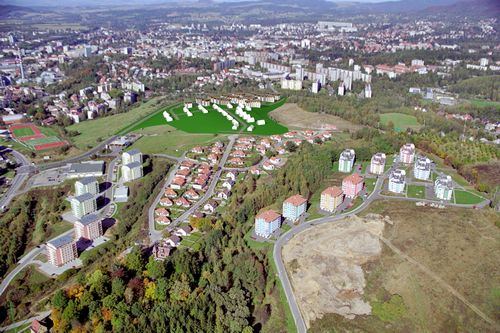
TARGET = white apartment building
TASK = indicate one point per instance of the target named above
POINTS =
(422, 168)
(130, 156)
(377, 164)
(132, 171)
(87, 185)
(83, 204)
(397, 181)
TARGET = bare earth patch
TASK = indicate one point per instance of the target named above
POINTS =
(325, 266)
(293, 116)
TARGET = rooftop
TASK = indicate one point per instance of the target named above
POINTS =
(268, 216)
(87, 167)
(88, 219)
(84, 197)
(133, 152)
(133, 165)
(87, 180)
(333, 191)
(61, 241)
(296, 200)
(354, 178)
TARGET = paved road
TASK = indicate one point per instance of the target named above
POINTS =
(278, 247)
(23, 172)
(78, 158)
(155, 235)
(39, 316)
(23, 262)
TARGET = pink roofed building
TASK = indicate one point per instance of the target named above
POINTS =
(352, 185)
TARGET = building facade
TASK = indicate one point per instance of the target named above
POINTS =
(132, 171)
(377, 164)
(352, 185)
(294, 207)
(397, 181)
(443, 187)
(88, 227)
(87, 185)
(61, 250)
(331, 198)
(422, 168)
(83, 204)
(346, 160)
(130, 156)
(266, 223)
(407, 153)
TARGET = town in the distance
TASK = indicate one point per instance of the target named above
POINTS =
(249, 166)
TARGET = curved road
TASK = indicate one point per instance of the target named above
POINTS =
(278, 246)
(23, 172)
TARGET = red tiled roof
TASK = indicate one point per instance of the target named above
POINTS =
(354, 178)
(268, 216)
(333, 191)
(296, 200)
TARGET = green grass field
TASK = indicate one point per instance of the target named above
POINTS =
(168, 140)
(42, 141)
(213, 122)
(466, 197)
(401, 121)
(23, 132)
(415, 191)
(93, 131)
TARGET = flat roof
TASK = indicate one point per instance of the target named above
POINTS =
(87, 180)
(133, 152)
(133, 165)
(84, 197)
(61, 241)
(87, 167)
(88, 219)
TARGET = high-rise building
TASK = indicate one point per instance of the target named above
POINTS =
(266, 223)
(130, 156)
(443, 187)
(83, 204)
(422, 168)
(377, 164)
(397, 181)
(331, 198)
(132, 171)
(294, 207)
(61, 250)
(88, 227)
(407, 153)
(87, 185)
(346, 160)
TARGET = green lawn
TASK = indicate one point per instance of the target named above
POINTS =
(466, 197)
(415, 191)
(401, 121)
(213, 122)
(59, 228)
(168, 140)
(93, 131)
(370, 184)
(22, 132)
(254, 244)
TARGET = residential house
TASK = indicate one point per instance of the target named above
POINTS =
(182, 202)
(331, 198)
(224, 194)
(228, 184)
(178, 183)
(211, 206)
(161, 212)
(170, 193)
(163, 220)
(231, 175)
(161, 251)
(166, 202)
(183, 231)
(191, 195)
(173, 241)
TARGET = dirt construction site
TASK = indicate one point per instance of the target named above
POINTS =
(394, 269)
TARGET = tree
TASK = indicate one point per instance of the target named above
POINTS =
(134, 260)
(291, 146)
(155, 269)
(60, 300)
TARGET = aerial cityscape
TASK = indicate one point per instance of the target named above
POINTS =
(249, 166)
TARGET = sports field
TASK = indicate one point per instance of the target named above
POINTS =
(466, 197)
(214, 122)
(401, 121)
(23, 132)
(35, 138)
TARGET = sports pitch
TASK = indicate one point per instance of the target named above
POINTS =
(214, 122)
(23, 132)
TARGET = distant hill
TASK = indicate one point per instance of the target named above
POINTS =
(489, 8)
(7, 11)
